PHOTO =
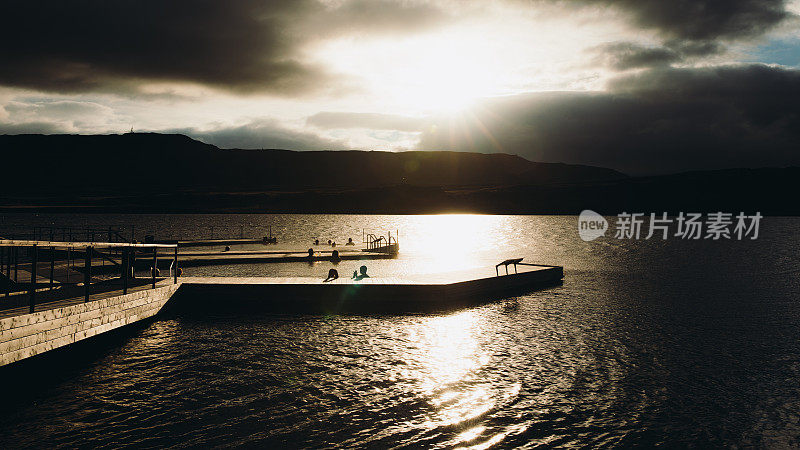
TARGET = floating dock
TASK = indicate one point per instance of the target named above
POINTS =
(53, 310)
(201, 258)
(412, 293)
(214, 242)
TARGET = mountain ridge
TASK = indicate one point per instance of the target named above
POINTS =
(197, 165)
(174, 173)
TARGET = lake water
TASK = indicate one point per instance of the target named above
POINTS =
(647, 342)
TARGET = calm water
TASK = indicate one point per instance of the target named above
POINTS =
(677, 343)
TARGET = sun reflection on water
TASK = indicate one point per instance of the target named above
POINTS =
(445, 358)
(452, 349)
(449, 242)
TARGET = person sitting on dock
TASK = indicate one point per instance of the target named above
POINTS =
(335, 256)
(350, 241)
(311, 253)
(360, 276)
(332, 275)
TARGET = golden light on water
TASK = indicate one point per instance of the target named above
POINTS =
(452, 349)
(450, 242)
(445, 358)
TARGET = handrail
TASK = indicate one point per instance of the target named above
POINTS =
(125, 267)
(506, 263)
(374, 241)
(61, 244)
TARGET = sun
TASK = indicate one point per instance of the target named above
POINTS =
(444, 71)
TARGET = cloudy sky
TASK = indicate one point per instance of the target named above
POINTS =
(642, 86)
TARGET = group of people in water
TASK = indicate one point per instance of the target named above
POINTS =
(358, 275)
(333, 243)
(333, 274)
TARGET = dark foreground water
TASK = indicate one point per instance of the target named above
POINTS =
(649, 342)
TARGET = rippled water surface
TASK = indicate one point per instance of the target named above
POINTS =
(647, 342)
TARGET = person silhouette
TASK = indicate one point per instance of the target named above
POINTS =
(360, 276)
(335, 256)
(332, 275)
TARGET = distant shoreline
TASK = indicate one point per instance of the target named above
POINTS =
(155, 173)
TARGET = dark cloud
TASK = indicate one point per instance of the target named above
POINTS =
(624, 55)
(32, 128)
(629, 55)
(366, 120)
(662, 120)
(53, 116)
(260, 134)
(257, 45)
(699, 20)
(356, 17)
(246, 45)
(56, 109)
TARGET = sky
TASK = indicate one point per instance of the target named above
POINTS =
(641, 86)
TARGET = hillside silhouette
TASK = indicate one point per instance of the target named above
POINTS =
(173, 173)
(149, 162)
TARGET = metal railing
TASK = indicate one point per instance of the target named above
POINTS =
(62, 258)
(87, 234)
(380, 243)
(133, 234)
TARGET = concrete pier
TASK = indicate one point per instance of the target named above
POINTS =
(412, 293)
(63, 322)
(34, 333)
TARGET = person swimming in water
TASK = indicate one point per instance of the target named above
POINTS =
(332, 275)
(360, 276)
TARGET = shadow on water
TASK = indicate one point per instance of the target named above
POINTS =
(39, 374)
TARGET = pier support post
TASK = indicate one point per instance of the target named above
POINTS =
(175, 273)
(7, 251)
(15, 252)
(155, 265)
(34, 262)
(87, 275)
(69, 264)
(52, 266)
(125, 264)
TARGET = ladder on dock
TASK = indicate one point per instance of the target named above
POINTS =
(381, 244)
